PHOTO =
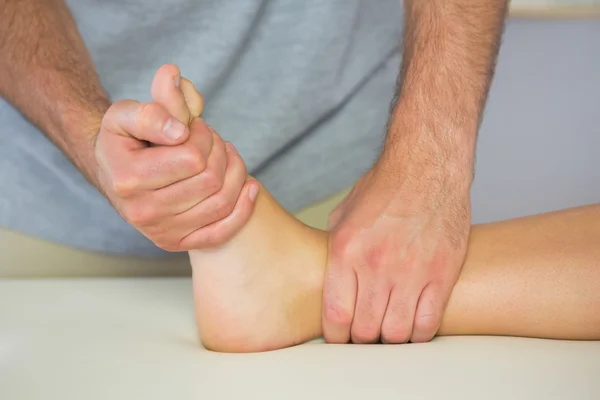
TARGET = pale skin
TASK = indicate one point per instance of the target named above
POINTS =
(536, 276)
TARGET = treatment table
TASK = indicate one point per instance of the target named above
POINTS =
(135, 338)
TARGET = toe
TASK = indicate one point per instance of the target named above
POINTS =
(166, 91)
(193, 99)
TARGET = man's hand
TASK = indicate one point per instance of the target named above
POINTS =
(398, 242)
(399, 239)
(168, 173)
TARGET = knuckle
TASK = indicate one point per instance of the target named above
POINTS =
(193, 161)
(224, 208)
(238, 168)
(212, 182)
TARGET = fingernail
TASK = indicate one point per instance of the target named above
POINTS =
(177, 80)
(173, 129)
(253, 192)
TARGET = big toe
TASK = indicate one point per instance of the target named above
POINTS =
(166, 91)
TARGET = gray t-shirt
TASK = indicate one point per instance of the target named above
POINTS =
(301, 87)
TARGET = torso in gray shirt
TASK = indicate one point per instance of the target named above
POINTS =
(301, 87)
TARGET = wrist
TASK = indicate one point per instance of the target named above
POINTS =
(429, 138)
(427, 157)
(80, 129)
(423, 183)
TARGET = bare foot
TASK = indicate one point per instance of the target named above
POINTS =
(256, 292)
(262, 290)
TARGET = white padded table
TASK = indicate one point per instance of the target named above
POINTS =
(136, 339)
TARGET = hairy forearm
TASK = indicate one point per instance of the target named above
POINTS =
(450, 50)
(47, 73)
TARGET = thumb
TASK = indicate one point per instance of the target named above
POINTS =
(145, 122)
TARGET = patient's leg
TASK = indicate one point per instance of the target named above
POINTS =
(537, 276)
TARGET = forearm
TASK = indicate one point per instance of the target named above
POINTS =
(536, 277)
(47, 73)
(450, 50)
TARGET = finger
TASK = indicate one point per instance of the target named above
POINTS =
(143, 121)
(220, 204)
(191, 200)
(201, 137)
(223, 230)
(193, 99)
(161, 166)
(339, 299)
(429, 313)
(186, 194)
(397, 323)
(218, 162)
(166, 91)
(371, 302)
